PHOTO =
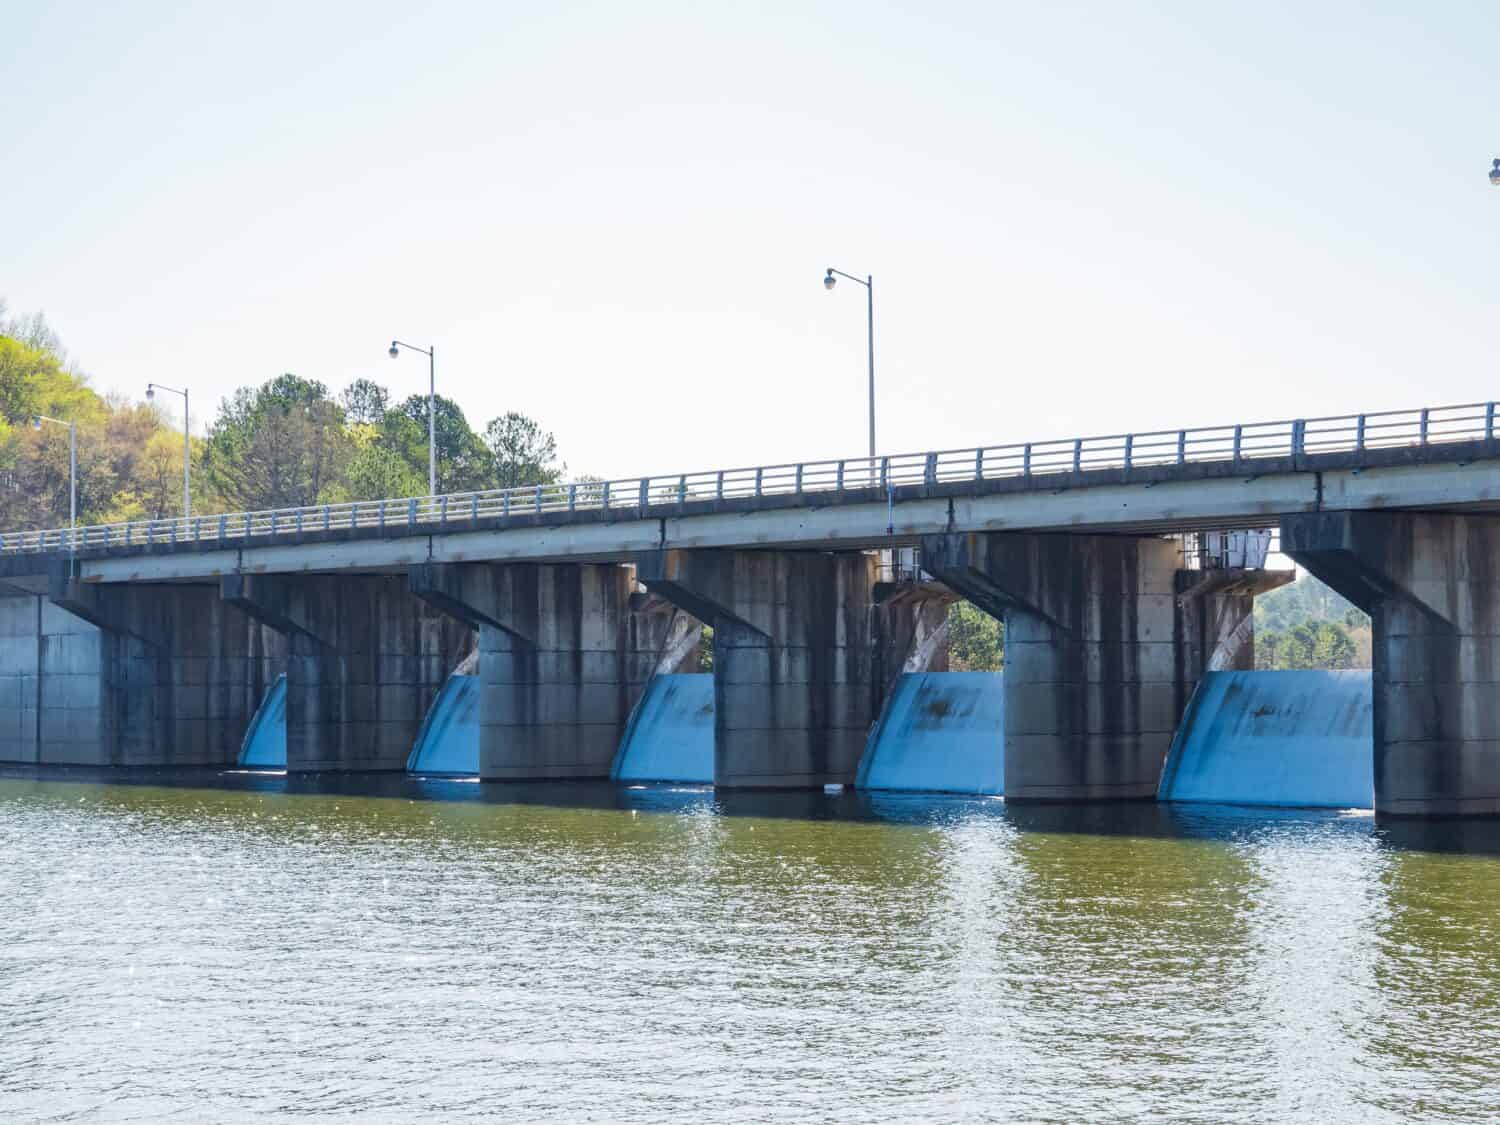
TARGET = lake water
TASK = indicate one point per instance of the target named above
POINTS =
(197, 947)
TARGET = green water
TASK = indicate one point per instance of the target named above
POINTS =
(202, 948)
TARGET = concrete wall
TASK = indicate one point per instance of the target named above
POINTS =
(365, 661)
(141, 675)
(1431, 584)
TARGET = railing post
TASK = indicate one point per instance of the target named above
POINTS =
(682, 487)
(929, 470)
(273, 523)
(505, 505)
(1359, 434)
(979, 464)
(197, 530)
(759, 474)
(354, 515)
(645, 501)
(1299, 438)
(382, 514)
(247, 525)
(129, 527)
(327, 518)
(174, 531)
(1077, 454)
(411, 512)
(1129, 449)
(1239, 435)
(604, 496)
(1489, 421)
(1026, 462)
(839, 480)
(474, 506)
(885, 473)
(223, 529)
(1425, 415)
(443, 509)
(1182, 447)
(299, 521)
(572, 497)
(719, 487)
(798, 486)
(539, 499)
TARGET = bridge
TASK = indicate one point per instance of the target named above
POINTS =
(151, 642)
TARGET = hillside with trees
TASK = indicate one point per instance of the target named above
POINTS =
(1307, 625)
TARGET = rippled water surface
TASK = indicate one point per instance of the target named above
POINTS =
(214, 947)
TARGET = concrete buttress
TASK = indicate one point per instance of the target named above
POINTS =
(1431, 584)
(365, 660)
(564, 653)
(802, 656)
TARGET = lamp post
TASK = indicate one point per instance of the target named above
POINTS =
(829, 281)
(36, 424)
(396, 346)
(187, 445)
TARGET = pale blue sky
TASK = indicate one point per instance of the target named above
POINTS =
(1081, 218)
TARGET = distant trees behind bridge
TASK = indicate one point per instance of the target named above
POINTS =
(288, 442)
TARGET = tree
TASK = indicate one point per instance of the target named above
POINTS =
(975, 639)
(462, 460)
(521, 452)
(280, 445)
(365, 402)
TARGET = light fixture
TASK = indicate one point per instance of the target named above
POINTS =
(830, 281)
(394, 350)
(1495, 173)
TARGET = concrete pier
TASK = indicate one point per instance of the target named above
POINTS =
(365, 660)
(563, 656)
(1104, 642)
(1431, 583)
(802, 657)
(128, 676)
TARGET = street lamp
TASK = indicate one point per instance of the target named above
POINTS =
(396, 346)
(187, 445)
(36, 424)
(1495, 173)
(829, 281)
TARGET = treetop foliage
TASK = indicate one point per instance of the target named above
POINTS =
(286, 443)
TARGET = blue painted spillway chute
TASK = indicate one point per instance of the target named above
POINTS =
(670, 736)
(448, 742)
(1303, 738)
(940, 732)
(264, 747)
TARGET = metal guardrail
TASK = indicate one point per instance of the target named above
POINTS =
(1353, 433)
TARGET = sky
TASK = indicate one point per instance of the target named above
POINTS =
(1080, 218)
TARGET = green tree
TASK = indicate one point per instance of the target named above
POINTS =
(521, 452)
(975, 639)
(365, 402)
(463, 463)
(280, 445)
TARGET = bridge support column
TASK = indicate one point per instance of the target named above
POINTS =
(800, 665)
(1104, 642)
(365, 660)
(127, 676)
(563, 656)
(1431, 584)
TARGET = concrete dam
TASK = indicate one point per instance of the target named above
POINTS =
(1291, 739)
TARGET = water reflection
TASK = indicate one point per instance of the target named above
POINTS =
(385, 948)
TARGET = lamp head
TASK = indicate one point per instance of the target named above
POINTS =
(150, 391)
(1495, 173)
(830, 281)
(394, 350)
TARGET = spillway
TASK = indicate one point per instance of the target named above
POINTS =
(1275, 738)
(448, 742)
(264, 747)
(940, 732)
(670, 736)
